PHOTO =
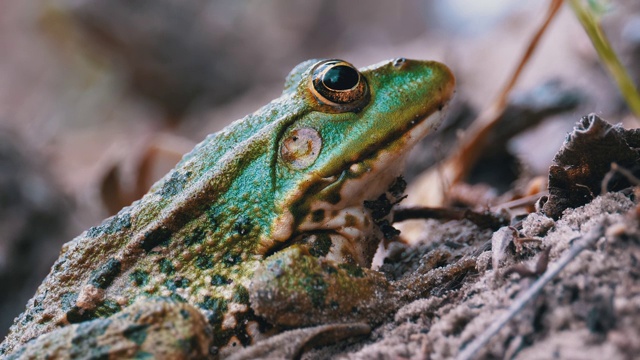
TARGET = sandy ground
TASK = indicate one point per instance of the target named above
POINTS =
(589, 311)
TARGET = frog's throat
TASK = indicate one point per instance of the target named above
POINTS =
(354, 234)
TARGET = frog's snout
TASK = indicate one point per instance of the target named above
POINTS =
(441, 81)
(445, 77)
(426, 80)
(431, 72)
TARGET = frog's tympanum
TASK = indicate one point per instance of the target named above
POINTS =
(261, 228)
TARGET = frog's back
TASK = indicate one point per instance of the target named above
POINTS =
(193, 237)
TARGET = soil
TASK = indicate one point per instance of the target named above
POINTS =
(590, 310)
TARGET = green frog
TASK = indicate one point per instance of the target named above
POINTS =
(261, 228)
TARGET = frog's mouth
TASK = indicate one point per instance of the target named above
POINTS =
(338, 210)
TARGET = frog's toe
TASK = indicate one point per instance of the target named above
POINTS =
(291, 344)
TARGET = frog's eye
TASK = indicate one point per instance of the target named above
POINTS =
(339, 84)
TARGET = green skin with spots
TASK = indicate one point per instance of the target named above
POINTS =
(215, 232)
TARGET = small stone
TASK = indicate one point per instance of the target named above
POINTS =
(537, 225)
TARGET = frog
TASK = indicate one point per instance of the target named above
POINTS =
(263, 227)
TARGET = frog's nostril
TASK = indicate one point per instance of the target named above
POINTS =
(399, 62)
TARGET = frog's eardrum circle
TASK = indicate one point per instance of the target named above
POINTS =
(300, 148)
(339, 84)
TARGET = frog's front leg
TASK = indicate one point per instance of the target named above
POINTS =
(294, 289)
(157, 328)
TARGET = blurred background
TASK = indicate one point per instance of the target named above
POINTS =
(99, 98)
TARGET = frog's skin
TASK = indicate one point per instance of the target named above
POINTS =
(260, 227)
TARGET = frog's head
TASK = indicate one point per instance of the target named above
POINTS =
(350, 145)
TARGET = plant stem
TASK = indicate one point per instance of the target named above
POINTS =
(593, 29)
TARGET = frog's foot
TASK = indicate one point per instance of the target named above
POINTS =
(294, 289)
(438, 272)
(292, 344)
(154, 328)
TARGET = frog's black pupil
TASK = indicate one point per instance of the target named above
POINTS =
(340, 77)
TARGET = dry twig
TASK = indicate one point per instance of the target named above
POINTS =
(615, 168)
(478, 133)
(588, 240)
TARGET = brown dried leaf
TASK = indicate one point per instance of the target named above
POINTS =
(585, 158)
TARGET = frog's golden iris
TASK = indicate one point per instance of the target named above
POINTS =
(340, 85)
